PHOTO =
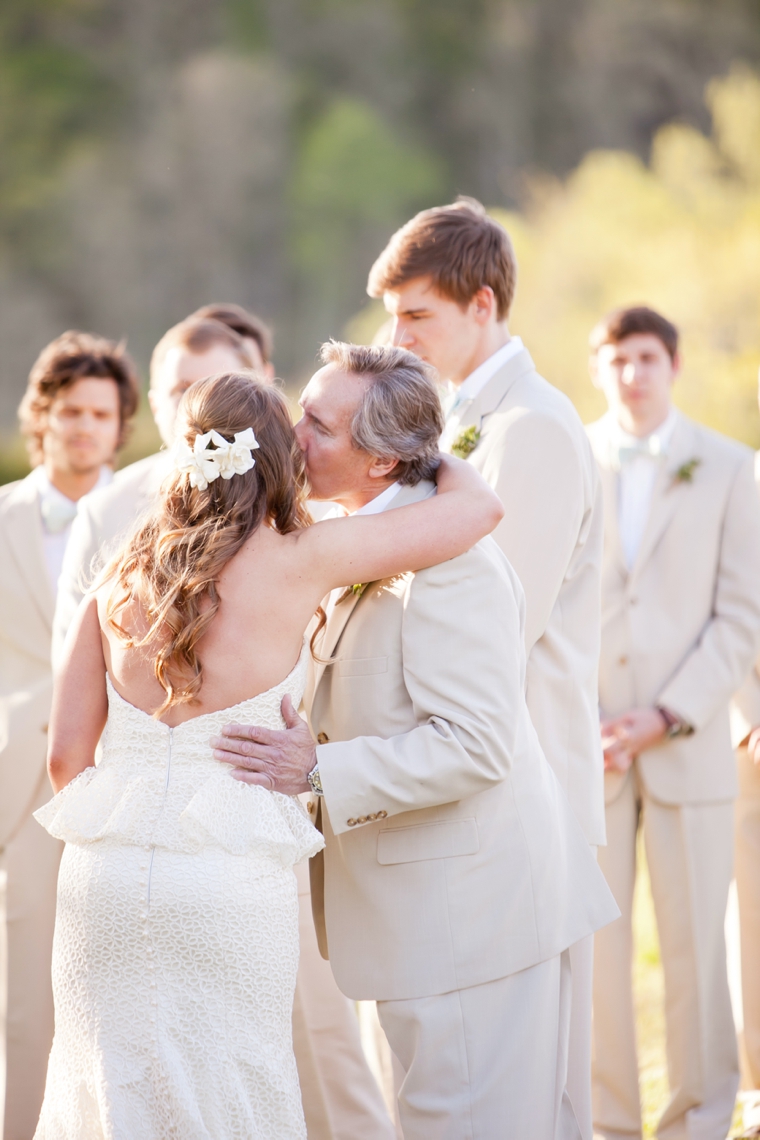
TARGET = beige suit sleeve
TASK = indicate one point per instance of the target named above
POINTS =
(745, 707)
(718, 664)
(534, 466)
(83, 545)
(464, 672)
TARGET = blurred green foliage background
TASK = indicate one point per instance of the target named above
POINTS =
(159, 154)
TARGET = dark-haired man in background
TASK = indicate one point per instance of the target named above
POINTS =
(680, 623)
(82, 393)
(448, 279)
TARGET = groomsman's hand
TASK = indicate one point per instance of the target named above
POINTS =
(276, 759)
(624, 737)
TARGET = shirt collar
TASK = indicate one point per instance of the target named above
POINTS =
(663, 434)
(48, 491)
(477, 380)
(377, 505)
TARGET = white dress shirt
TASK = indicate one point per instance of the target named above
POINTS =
(460, 398)
(636, 479)
(58, 512)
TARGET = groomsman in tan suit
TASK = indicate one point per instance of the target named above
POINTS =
(341, 1097)
(680, 627)
(448, 279)
(455, 876)
(82, 393)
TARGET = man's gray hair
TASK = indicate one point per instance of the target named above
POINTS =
(400, 415)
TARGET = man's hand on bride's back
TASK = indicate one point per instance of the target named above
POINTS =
(279, 760)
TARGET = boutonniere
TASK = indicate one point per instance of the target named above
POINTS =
(685, 473)
(466, 442)
(354, 591)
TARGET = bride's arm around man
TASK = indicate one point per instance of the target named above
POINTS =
(454, 876)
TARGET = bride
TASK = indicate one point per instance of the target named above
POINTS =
(176, 940)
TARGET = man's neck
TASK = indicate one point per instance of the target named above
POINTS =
(494, 337)
(354, 500)
(72, 484)
(642, 425)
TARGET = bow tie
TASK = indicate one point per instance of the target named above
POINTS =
(650, 446)
(57, 513)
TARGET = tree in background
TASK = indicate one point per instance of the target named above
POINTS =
(154, 155)
(681, 234)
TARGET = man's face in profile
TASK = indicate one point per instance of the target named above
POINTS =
(179, 369)
(438, 330)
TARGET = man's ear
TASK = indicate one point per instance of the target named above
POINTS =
(677, 362)
(483, 305)
(593, 371)
(382, 468)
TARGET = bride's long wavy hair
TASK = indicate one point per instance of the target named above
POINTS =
(171, 565)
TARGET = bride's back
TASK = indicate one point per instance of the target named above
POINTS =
(208, 599)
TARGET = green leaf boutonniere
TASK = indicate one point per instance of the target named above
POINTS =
(466, 442)
(354, 591)
(685, 473)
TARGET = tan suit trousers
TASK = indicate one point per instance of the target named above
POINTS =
(341, 1098)
(689, 852)
(30, 864)
(748, 888)
(486, 1062)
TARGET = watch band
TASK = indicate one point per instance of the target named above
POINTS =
(675, 726)
(315, 783)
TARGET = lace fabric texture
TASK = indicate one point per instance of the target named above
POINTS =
(176, 943)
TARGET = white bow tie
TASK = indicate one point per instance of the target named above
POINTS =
(57, 513)
(650, 446)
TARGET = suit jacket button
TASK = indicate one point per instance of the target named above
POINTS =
(322, 738)
(310, 806)
(382, 814)
(351, 822)
(623, 660)
(362, 819)
(44, 728)
(372, 816)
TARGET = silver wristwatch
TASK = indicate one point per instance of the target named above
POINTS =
(315, 782)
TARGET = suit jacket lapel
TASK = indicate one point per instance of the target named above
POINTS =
(667, 491)
(23, 524)
(326, 646)
(491, 396)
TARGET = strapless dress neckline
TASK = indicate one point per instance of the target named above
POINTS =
(160, 786)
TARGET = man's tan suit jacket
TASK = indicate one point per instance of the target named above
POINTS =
(745, 707)
(103, 519)
(534, 452)
(681, 628)
(26, 681)
(452, 856)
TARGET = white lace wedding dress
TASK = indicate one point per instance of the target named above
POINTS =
(176, 939)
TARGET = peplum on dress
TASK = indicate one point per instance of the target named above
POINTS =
(176, 938)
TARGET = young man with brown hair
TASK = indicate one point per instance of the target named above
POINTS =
(82, 393)
(681, 619)
(448, 279)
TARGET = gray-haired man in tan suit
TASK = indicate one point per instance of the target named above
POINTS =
(341, 1098)
(448, 279)
(680, 627)
(455, 875)
(82, 392)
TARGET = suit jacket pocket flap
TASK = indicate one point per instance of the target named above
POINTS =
(360, 666)
(442, 839)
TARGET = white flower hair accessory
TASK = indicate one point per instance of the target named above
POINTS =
(204, 463)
